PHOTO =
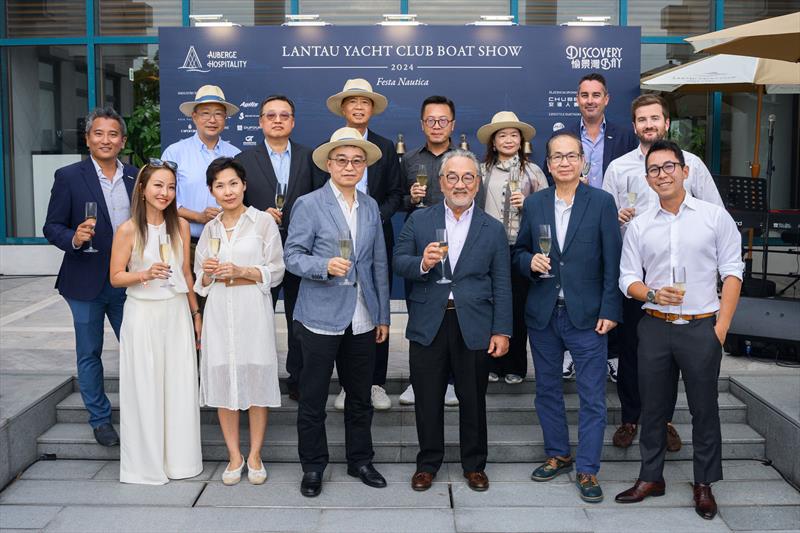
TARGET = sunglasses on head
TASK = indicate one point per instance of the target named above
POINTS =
(158, 163)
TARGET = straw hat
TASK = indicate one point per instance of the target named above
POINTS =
(345, 137)
(357, 87)
(505, 119)
(208, 94)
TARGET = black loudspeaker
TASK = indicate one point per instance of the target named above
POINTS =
(765, 328)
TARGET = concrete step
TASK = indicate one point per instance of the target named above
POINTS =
(501, 409)
(398, 444)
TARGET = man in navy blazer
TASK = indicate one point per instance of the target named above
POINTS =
(573, 302)
(83, 278)
(457, 326)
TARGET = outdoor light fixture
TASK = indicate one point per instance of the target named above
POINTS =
(399, 20)
(304, 20)
(589, 21)
(494, 20)
(201, 21)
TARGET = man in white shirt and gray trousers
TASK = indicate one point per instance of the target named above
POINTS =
(702, 238)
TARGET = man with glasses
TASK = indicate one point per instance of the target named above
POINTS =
(456, 326)
(686, 240)
(569, 246)
(280, 167)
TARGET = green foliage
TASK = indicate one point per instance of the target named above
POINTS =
(144, 132)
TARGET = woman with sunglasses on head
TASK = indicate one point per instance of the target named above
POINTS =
(238, 259)
(509, 178)
(159, 412)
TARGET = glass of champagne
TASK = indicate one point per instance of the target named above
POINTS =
(631, 194)
(422, 181)
(213, 245)
(345, 251)
(544, 245)
(91, 214)
(441, 238)
(280, 199)
(165, 251)
(679, 282)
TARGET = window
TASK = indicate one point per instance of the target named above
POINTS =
(45, 18)
(365, 12)
(136, 17)
(456, 11)
(670, 17)
(553, 12)
(244, 12)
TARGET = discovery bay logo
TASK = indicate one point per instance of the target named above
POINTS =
(215, 59)
(594, 57)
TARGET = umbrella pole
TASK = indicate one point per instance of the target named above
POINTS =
(755, 166)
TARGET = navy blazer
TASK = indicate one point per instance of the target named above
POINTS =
(586, 264)
(82, 276)
(481, 281)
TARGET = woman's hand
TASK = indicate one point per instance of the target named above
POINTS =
(157, 271)
(198, 329)
(210, 265)
(228, 271)
(517, 199)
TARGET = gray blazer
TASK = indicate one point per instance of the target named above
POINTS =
(317, 222)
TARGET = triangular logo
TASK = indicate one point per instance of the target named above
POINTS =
(192, 62)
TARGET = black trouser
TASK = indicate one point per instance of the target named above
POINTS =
(693, 350)
(430, 367)
(294, 357)
(516, 360)
(354, 356)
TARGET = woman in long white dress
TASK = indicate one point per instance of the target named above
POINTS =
(159, 411)
(238, 259)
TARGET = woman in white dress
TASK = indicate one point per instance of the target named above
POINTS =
(159, 412)
(238, 259)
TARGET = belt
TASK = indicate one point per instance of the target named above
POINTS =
(669, 317)
(451, 304)
(235, 282)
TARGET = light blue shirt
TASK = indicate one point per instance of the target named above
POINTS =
(594, 154)
(193, 158)
(280, 161)
(362, 184)
(115, 195)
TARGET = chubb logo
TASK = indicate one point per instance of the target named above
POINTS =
(192, 62)
(594, 57)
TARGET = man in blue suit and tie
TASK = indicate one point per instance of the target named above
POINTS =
(573, 302)
(459, 315)
(83, 279)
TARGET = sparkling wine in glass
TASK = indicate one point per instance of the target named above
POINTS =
(422, 180)
(91, 214)
(630, 192)
(280, 198)
(545, 242)
(345, 251)
(165, 251)
(214, 242)
(441, 238)
(679, 282)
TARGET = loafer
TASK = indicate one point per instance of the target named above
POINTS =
(513, 379)
(624, 435)
(422, 481)
(552, 468)
(704, 503)
(106, 435)
(368, 475)
(589, 488)
(311, 485)
(256, 476)
(640, 491)
(232, 477)
(477, 481)
(673, 439)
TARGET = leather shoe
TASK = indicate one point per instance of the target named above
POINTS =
(311, 485)
(422, 481)
(477, 481)
(640, 491)
(704, 503)
(673, 439)
(624, 435)
(106, 435)
(368, 475)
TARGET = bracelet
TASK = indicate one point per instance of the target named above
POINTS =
(142, 280)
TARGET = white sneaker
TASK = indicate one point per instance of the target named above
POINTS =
(613, 366)
(568, 368)
(232, 477)
(407, 398)
(338, 403)
(380, 400)
(513, 379)
(493, 377)
(256, 477)
(450, 398)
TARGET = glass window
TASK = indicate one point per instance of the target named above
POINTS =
(353, 12)
(743, 11)
(456, 11)
(45, 18)
(538, 12)
(244, 12)
(139, 17)
(47, 103)
(670, 17)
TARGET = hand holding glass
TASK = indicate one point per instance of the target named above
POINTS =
(213, 245)
(422, 181)
(441, 238)
(544, 245)
(345, 251)
(679, 282)
(165, 251)
(280, 199)
(91, 214)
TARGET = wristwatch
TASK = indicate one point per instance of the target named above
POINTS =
(651, 296)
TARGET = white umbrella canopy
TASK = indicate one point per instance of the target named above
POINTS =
(774, 38)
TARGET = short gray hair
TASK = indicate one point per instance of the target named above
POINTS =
(105, 112)
(460, 153)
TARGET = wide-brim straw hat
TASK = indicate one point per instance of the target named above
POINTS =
(502, 120)
(345, 137)
(208, 94)
(357, 87)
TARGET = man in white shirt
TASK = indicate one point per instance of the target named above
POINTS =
(683, 233)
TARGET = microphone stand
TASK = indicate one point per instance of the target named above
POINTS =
(770, 168)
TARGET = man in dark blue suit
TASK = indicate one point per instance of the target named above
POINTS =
(573, 302)
(456, 326)
(86, 242)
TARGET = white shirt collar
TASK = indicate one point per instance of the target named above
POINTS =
(466, 214)
(340, 196)
(99, 170)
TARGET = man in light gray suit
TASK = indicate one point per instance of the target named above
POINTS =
(335, 244)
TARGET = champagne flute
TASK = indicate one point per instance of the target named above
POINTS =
(679, 282)
(214, 242)
(545, 242)
(441, 238)
(345, 251)
(91, 214)
(513, 184)
(165, 251)
(631, 194)
(280, 199)
(422, 180)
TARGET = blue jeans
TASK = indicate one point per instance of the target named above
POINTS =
(589, 352)
(88, 318)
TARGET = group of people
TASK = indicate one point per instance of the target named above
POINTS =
(612, 247)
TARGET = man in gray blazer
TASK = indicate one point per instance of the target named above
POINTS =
(342, 308)
(454, 326)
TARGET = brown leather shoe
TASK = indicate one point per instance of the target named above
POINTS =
(673, 439)
(477, 481)
(704, 503)
(640, 491)
(624, 435)
(421, 481)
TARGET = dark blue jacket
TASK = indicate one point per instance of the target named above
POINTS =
(82, 275)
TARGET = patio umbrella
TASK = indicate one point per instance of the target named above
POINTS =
(774, 38)
(730, 73)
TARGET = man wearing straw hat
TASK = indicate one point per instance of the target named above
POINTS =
(357, 103)
(336, 246)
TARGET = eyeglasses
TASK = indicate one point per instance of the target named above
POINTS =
(207, 115)
(669, 167)
(272, 115)
(342, 162)
(572, 157)
(442, 122)
(157, 163)
(453, 178)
